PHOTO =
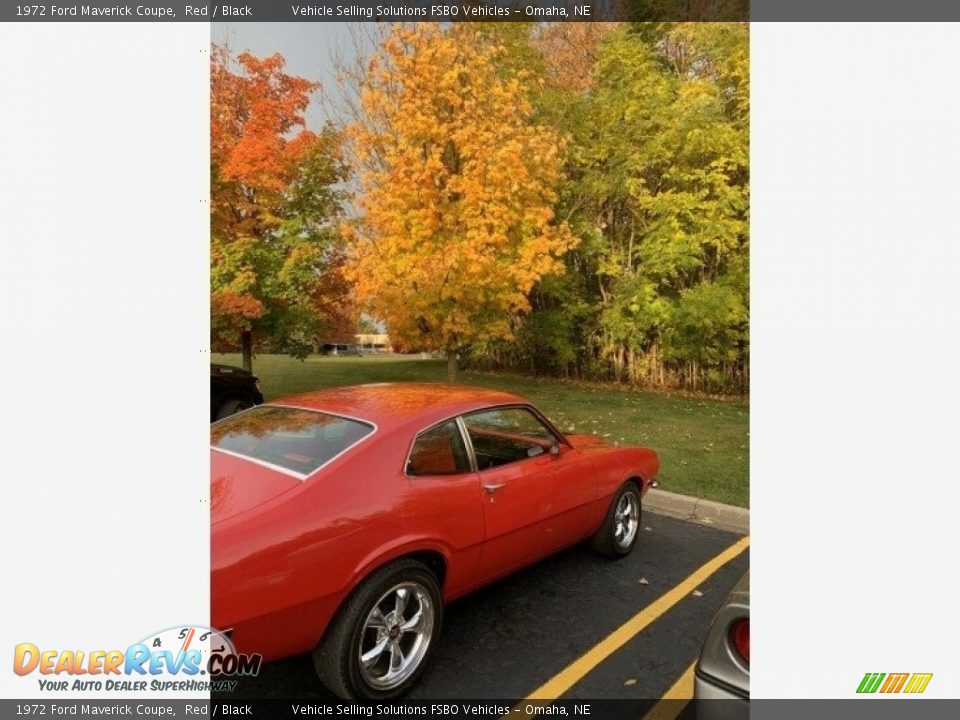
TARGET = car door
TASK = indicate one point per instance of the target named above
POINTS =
(445, 499)
(536, 489)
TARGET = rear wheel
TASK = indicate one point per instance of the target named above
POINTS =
(379, 642)
(618, 535)
(229, 407)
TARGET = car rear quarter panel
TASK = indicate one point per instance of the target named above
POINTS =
(280, 572)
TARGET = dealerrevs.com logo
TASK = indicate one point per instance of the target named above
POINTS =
(186, 658)
(890, 683)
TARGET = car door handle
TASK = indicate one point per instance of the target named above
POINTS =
(493, 487)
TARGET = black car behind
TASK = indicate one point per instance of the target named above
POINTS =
(231, 390)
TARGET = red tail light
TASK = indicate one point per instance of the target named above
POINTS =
(740, 638)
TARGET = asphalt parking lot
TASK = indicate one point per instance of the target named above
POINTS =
(522, 634)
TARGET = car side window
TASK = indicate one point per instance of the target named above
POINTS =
(507, 435)
(439, 451)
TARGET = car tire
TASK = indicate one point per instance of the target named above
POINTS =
(617, 536)
(371, 653)
(229, 407)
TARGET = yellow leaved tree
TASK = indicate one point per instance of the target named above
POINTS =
(457, 186)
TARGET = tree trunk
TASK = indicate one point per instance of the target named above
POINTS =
(451, 367)
(246, 347)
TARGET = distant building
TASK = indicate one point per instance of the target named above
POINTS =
(373, 342)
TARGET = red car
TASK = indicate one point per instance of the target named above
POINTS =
(343, 520)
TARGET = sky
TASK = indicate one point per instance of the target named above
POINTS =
(309, 49)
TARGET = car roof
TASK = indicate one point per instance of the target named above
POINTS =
(392, 405)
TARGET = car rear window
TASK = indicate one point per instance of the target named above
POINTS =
(295, 440)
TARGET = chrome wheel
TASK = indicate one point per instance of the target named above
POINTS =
(396, 635)
(626, 520)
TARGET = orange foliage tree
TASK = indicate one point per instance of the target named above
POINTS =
(273, 194)
(457, 182)
(572, 49)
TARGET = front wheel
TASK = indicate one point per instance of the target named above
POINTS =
(618, 534)
(378, 644)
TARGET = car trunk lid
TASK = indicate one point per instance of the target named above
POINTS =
(239, 484)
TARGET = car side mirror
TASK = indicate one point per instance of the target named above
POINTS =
(555, 449)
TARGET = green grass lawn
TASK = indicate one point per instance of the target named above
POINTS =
(704, 445)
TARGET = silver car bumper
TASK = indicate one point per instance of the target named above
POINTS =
(716, 701)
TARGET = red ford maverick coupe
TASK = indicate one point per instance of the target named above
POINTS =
(343, 520)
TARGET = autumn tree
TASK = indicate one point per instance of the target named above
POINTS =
(656, 188)
(457, 186)
(571, 50)
(672, 203)
(273, 193)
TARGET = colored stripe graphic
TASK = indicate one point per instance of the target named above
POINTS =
(870, 682)
(918, 682)
(895, 683)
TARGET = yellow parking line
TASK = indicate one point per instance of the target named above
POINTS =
(671, 705)
(575, 671)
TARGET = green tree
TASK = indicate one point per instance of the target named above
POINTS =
(657, 190)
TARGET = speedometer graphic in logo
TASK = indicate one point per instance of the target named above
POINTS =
(189, 650)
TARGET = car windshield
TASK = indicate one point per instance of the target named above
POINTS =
(292, 439)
